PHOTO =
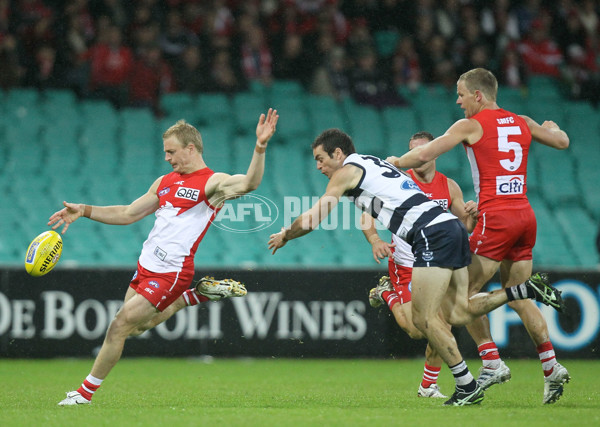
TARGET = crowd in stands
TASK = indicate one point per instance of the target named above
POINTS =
(376, 51)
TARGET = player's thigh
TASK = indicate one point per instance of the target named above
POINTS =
(429, 286)
(129, 294)
(481, 270)
(456, 301)
(136, 311)
(514, 273)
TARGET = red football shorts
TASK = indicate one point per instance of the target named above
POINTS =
(161, 289)
(506, 234)
(400, 277)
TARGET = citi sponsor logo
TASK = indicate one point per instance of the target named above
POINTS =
(188, 193)
(510, 184)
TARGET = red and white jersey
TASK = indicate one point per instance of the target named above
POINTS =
(499, 160)
(438, 191)
(181, 222)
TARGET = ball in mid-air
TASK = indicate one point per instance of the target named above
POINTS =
(43, 253)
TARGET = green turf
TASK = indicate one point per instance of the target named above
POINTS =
(283, 392)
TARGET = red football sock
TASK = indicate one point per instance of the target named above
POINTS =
(430, 375)
(391, 298)
(490, 357)
(192, 298)
(547, 357)
(89, 387)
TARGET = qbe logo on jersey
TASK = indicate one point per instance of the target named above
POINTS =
(510, 184)
(188, 193)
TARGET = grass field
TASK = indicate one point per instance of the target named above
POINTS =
(283, 392)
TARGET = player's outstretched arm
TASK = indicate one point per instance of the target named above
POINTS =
(342, 180)
(222, 187)
(548, 133)
(462, 130)
(116, 215)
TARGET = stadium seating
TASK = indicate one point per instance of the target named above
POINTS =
(580, 231)
(57, 147)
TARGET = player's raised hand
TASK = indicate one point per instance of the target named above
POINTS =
(66, 216)
(266, 127)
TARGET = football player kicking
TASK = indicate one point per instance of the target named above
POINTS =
(185, 202)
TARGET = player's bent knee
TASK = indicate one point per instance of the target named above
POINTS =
(420, 322)
(459, 319)
(414, 333)
(120, 327)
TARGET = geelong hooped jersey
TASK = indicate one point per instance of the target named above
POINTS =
(499, 160)
(393, 198)
(181, 221)
(437, 190)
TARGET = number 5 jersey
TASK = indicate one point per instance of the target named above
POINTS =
(499, 160)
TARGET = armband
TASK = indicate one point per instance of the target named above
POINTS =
(260, 148)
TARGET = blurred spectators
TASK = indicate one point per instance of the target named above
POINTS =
(292, 60)
(190, 71)
(176, 38)
(405, 65)
(151, 77)
(370, 85)
(581, 75)
(111, 65)
(512, 71)
(540, 53)
(331, 76)
(43, 73)
(222, 45)
(256, 59)
(224, 75)
(11, 71)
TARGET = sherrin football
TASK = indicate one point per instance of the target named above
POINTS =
(43, 253)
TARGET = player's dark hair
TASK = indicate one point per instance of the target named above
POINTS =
(332, 139)
(422, 134)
